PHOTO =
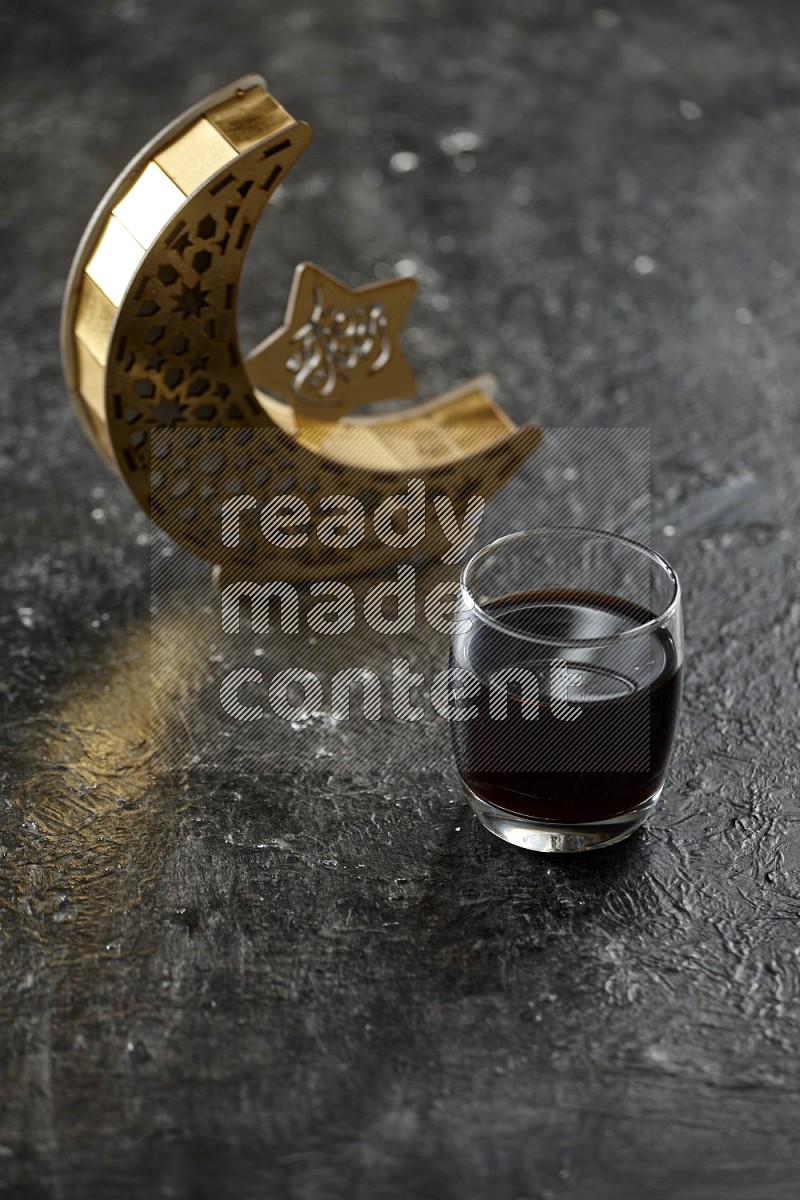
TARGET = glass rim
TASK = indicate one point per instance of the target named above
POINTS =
(572, 530)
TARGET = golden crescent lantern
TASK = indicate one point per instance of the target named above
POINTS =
(150, 344)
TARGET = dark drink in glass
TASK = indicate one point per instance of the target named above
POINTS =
(565, 699)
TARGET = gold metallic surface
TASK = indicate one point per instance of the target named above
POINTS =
(94, 319)
(115, 259)
(458, 423)
(152, 358)
(250, 118)
(92, 380)
(100, 436)
(197, 153)
(149, 204)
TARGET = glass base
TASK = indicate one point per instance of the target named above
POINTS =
(550, 837)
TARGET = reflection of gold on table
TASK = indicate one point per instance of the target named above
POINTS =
(149, 341)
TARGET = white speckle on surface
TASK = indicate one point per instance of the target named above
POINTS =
(406, 266)
(644, 265)
(298, 20)
(744, 316)
(128, 10)
(689, 110)
(659, 1054)
(98, 493)
(404, 69)
(315, 185)
(440, 302)
(98, 515)
(569, 474)
(26, 617)
(604, 18)
(628, 187)
(143, 539)
(460, 141)
(669, 531)
(404, 161)
(312, 718)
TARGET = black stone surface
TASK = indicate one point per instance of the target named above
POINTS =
(323, 980)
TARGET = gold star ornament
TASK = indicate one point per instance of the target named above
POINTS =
(338, 346)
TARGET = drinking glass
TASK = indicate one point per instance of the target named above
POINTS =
(566, 671)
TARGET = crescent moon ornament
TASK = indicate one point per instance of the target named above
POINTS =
(152, 359)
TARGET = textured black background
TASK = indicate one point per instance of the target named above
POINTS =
(326, 981)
